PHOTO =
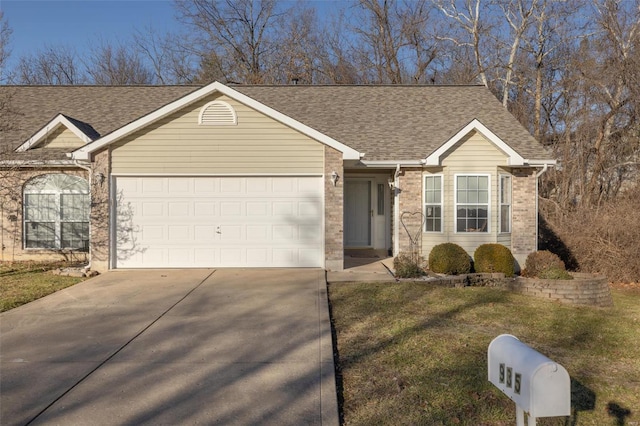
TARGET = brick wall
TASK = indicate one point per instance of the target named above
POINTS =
(333, 211)
(584, 289)
(524, 215)
(99, 245)
(410, 202)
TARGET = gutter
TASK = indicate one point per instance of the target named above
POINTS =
(396, 211)
(37, 163)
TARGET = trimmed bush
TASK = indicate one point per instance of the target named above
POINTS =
(406, 266)
(541, 261)
(494, 258)
(450, 259)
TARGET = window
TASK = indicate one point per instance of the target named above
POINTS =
(56, 212)
(472, 203)
(433, 203)
(505, 203)
(380, 209)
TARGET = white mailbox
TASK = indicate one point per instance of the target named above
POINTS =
(538, 385)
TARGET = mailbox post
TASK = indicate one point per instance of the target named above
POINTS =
(538, 386)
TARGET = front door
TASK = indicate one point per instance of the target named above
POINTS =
(357, 213)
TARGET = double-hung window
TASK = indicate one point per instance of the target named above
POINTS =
(56, 212)
(505, 203)
(433, 203)
(472, 203)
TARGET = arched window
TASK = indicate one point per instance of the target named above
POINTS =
(56, 212)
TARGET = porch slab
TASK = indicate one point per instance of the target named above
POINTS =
(360, 268)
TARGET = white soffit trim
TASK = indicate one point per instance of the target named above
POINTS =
(85, 152)
(515, 159)
(391, 164)
(58, 120)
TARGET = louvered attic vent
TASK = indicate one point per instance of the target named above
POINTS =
(218, 113)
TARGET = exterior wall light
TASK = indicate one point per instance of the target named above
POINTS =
(100, 178)
(334, 178)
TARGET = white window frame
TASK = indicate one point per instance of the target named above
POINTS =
(487, 228)
(58, 221)
(426, 205)
(502, 202)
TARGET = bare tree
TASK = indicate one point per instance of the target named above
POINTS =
(336, 63)
(474, 32)
(53, 65)
(117, 65)
(241, 35)
(5, 37)
(393, 44)
(168, 55)
(298, 58)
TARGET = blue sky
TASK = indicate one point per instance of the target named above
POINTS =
(79, 24)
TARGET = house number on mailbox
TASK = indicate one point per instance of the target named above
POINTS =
(509, 380)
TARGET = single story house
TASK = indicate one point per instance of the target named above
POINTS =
(261, 176)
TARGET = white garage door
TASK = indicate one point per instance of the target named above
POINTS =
(218, 221)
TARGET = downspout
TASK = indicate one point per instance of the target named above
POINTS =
(396, 211)
(540, 173)
(88, 169)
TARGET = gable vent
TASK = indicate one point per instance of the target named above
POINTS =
(218, 113)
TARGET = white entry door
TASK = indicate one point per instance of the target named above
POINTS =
(218, 221)
(357, 213)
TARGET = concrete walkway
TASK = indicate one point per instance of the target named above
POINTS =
(364, 269)
(172, 347)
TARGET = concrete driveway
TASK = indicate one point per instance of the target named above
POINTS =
(228, 346)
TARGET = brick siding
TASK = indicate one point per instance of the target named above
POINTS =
(410, 203)
(333, 211)
(524, 214)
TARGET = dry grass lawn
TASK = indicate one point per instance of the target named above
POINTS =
(415, 354)
(22, 283)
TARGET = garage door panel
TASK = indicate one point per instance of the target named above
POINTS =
(219, 221)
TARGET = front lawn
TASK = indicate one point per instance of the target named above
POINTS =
(22, 283)
(416, 354)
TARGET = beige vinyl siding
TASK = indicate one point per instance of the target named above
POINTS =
(473, 155)
(177, 144)
(62, 138)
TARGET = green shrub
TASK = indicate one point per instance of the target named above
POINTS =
(450, 259)
(555, 273)
(540, 261)
(494, 258)
(407, 266)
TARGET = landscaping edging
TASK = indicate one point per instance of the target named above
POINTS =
(583, 289)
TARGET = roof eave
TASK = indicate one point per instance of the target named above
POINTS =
(514, 159)
(85, 152)
(57, 121)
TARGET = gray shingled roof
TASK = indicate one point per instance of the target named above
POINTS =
(396, 122)
(384, 122)
(102, 108)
